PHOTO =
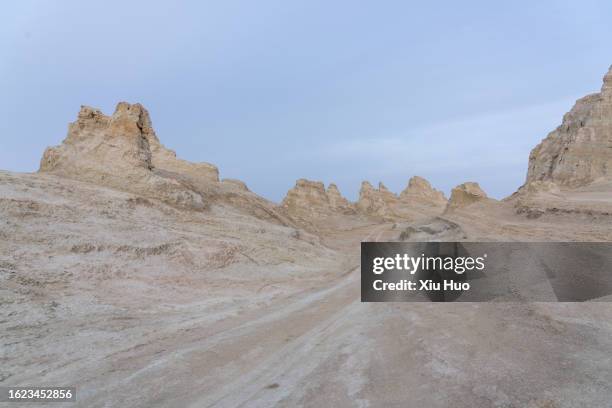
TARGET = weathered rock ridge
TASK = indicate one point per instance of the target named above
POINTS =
(579, 151)
(122, 151)
(309, 200)
(418, 198)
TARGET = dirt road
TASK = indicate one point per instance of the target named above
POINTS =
(325, 348)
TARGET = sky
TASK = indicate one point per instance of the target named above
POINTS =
(342, 91)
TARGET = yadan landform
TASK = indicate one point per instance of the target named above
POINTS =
(145, 280)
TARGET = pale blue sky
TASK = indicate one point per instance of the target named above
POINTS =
(342, 91)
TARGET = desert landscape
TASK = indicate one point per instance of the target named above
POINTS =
(146, 280)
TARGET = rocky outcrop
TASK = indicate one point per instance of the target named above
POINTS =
(123, 152)
(309, 200)
(464, 195)
(99, 142)
(419, 191)
(236, 184)
(418, 198)
(387, 195)
(337, 202)
(579, 151)
(376, 202)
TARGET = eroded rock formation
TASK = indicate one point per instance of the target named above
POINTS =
(309, 200)
(420, 191)
(579, 151)
(337, 202)
(465, 194)
(376, 202)
(387, 195)
(236, 184)
(306, 200)
(122, 151)
(417, 199)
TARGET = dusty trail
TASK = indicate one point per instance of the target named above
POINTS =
(324, 347)
(414, 355)
(307, 323)
(257, 360)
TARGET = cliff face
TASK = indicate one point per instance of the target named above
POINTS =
(579, 151)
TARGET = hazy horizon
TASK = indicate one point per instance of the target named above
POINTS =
(272, 92)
